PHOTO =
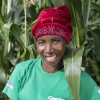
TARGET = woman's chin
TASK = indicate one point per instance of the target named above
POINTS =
(51, 60)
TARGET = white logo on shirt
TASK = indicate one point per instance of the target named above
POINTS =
(9, 85)
(54, 98)
(98, 90)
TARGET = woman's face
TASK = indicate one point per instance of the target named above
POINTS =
(51, 48)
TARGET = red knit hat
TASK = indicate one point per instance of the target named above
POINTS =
(54, 21)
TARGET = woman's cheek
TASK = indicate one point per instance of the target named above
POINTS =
(40, 48)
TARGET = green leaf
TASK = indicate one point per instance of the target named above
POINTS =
(85, 12)
(3, 79)
(17, 33)
(18, 16)
(33, 51)
(1, 22)
(9, 7)
(32, 12)
(6, 31)
(95, 22)
(72, 66)
(96, 41)
(95, 6)
(45, 3)
(58, 2)
(78, 36)
(3, 9)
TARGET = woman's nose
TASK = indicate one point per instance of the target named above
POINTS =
(48, 48)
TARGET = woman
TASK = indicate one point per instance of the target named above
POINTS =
(44, 78)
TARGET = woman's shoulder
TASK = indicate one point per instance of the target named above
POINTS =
(86, 81)
(88, 87)
(27, 65)
(28, 62)
(85, 77)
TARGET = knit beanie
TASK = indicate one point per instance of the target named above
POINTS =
(54, 21)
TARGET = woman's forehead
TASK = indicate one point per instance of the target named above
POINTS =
(49, 37)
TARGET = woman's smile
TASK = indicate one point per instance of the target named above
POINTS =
(51, 58)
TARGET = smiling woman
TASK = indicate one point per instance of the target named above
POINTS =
(44, 78)
(51, 48)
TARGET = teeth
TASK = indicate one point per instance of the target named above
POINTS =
(51, 58)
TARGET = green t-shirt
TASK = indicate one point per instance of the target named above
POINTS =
(30, 82)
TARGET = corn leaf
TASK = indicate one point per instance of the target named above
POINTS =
(95, 6)
(45, 3)
(58, 2)
(6, 32)
(3, 79)
(17, 33)
(72, 66)
(96, 42)
(85, 12)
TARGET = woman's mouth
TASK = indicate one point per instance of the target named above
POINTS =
(51, 58)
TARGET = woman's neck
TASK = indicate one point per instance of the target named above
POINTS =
(51, 68)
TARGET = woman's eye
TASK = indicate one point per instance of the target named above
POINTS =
(40, 43)
(56, 41)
